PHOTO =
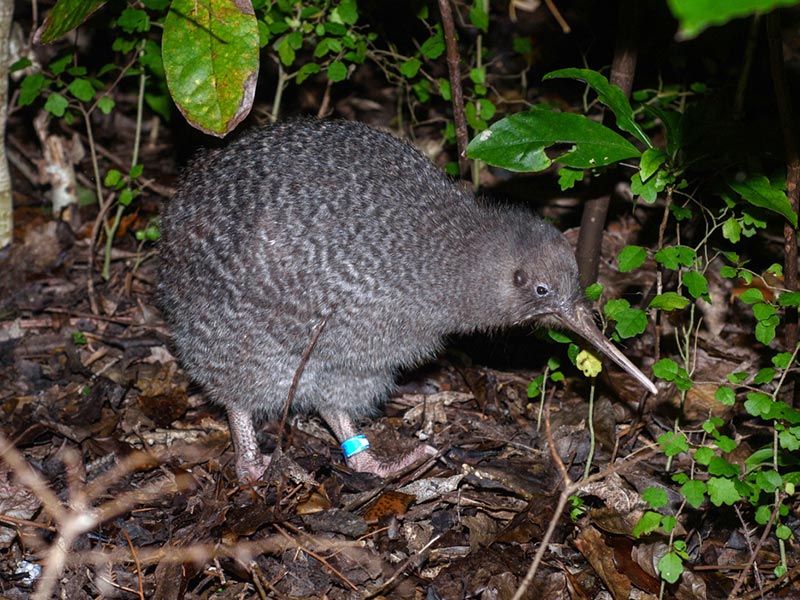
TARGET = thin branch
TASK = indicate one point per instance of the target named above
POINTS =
(457, 94)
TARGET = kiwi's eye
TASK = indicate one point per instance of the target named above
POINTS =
(520, 278)
(542, 290)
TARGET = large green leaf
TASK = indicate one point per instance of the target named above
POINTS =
(611, 96)
(696, 15)
(211, 61)
(518, 142)
(65, 16)
(759, 191)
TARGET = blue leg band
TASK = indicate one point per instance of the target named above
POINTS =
(356, 444)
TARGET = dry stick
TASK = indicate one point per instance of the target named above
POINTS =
(135, 560)
(557, 16)
(792, 176)
(453, 68)
(570, 488)
(401, 569)
(298, 372)
(767, 528)
(768, 587)
(98, 223)
(301, 548)
(595, 210)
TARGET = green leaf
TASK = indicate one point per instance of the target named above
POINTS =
(673, 443)
(725, 395)
(422, 88)
(295, 39)
(631, 257)
(751, 296)
(782, 532)
(696, 15)
(652, 159)
(444, 88)
(410, 68)
(758, 404)
(151, 58)
(611, 96)
(629, 321)
(211, 61)
(668, 523)
(722, 490)
(473, 119)
(648, 522)
(666, 369)
(82, 89)
(789, 299)
(433, 47)
(655, 497)
(56, 104)
(113, 178)
(719, 466)
(18, 65)
(477, 75)
(59, 65)
(30, 88)
(133, 20)
(65, 16)
(703, 455)
(782, 360)
(766, 330)
(337, 71)
(732, 230)
(306, 71)
(567, 178)
(479, 17)
(764, 375)
(725, 443)
(106, 105)
(126, 197)
(559, 337)
(694, 492)
(758, 191)
(594, 291)
(347, 11)
(285, 51)
(789, 439)
(674, 256)
(769, 480)
(669, 370)
(518, 142)
(669, 301)
(670, 566)
(680, 213)
(763, 311)
(486, 108)
(697, 285)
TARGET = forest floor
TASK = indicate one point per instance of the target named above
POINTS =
(123, 473)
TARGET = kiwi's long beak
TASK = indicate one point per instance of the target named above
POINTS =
(581, 322)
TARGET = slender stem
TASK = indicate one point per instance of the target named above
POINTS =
(279, 89)
(592, 436)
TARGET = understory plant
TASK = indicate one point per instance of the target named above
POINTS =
(733, 205)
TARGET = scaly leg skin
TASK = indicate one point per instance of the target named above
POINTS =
(366, 461)
(250, 463)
